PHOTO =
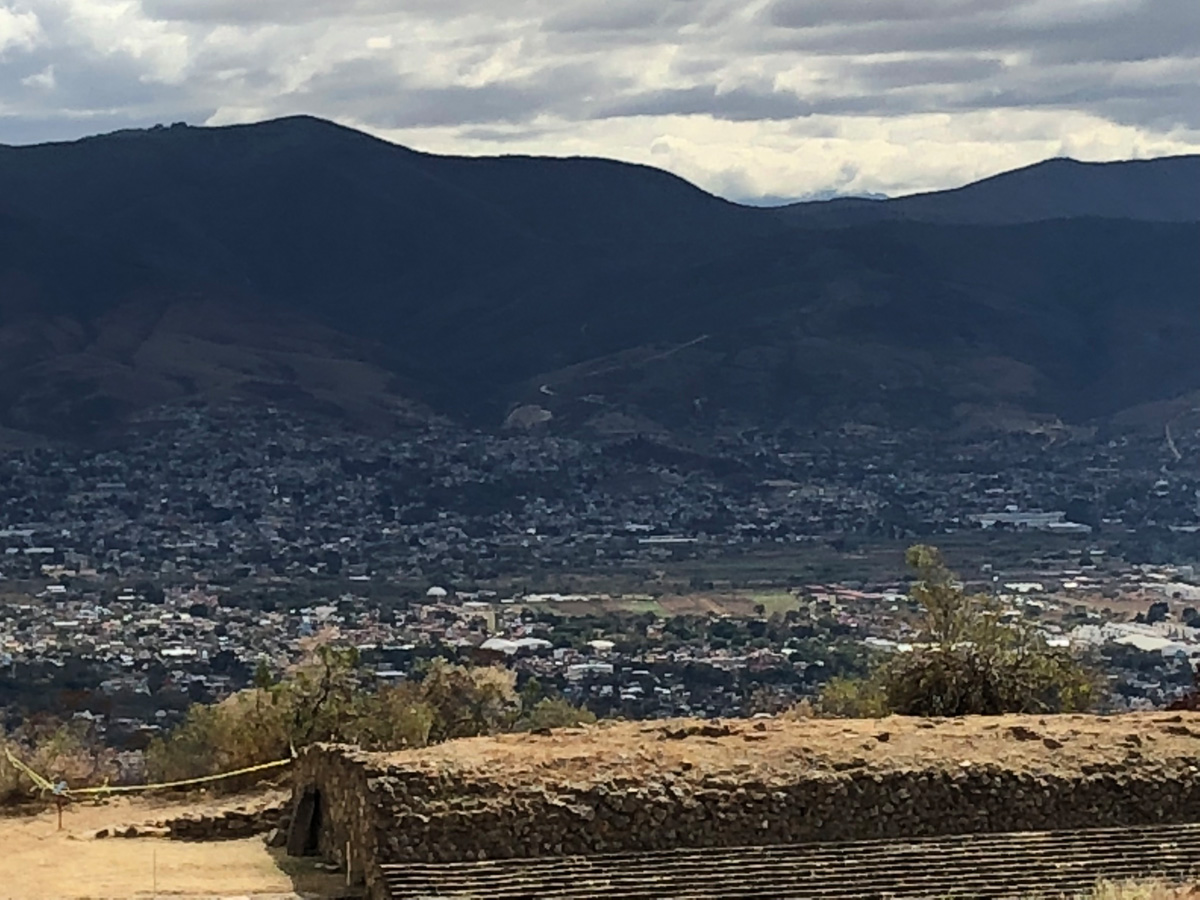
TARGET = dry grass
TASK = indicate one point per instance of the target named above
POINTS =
(1141, 891)
(780, 746)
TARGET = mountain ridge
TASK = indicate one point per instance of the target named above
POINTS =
(1019, 195)
(465, 284)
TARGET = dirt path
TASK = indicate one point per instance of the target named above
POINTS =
(38, 862)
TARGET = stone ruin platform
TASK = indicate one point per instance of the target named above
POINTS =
(634, 791)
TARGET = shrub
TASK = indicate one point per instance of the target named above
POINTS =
(469, 701)
(972, 663)
(58, 752)
(853, 698)
(554, 713)
(395, 718)
(323, 698)
(247, 729)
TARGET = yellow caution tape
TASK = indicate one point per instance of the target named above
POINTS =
(167, 785)
(43, 784)
(38, 781)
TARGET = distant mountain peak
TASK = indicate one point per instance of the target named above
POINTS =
(822, 196)
(1164, 189)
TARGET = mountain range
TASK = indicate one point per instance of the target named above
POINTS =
(305, 263)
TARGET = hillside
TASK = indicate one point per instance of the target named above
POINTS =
(315, 265)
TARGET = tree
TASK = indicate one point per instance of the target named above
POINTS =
(970, 662)
(469, 702)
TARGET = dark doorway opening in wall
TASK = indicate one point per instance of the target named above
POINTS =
(305, 829)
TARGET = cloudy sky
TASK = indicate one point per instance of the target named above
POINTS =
(747, 98)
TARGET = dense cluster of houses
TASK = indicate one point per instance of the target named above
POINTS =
(129, 573)
(238, 491)
(133, 663)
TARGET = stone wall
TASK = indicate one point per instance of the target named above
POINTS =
(265, 814)
(393, 812)
(349, 812)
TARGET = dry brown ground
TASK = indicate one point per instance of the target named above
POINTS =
(1054, 744)
(1148, 891)
(39, 862)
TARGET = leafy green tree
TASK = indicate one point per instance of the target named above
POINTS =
(263, 679)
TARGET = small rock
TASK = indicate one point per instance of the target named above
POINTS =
(1021, 733)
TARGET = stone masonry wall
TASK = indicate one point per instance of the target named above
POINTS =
(392, 812)
(349, 812)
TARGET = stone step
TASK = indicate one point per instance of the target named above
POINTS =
(983, 866)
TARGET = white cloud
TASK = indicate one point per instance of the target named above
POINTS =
(43, 80)
(781, 97)
(18, 28)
